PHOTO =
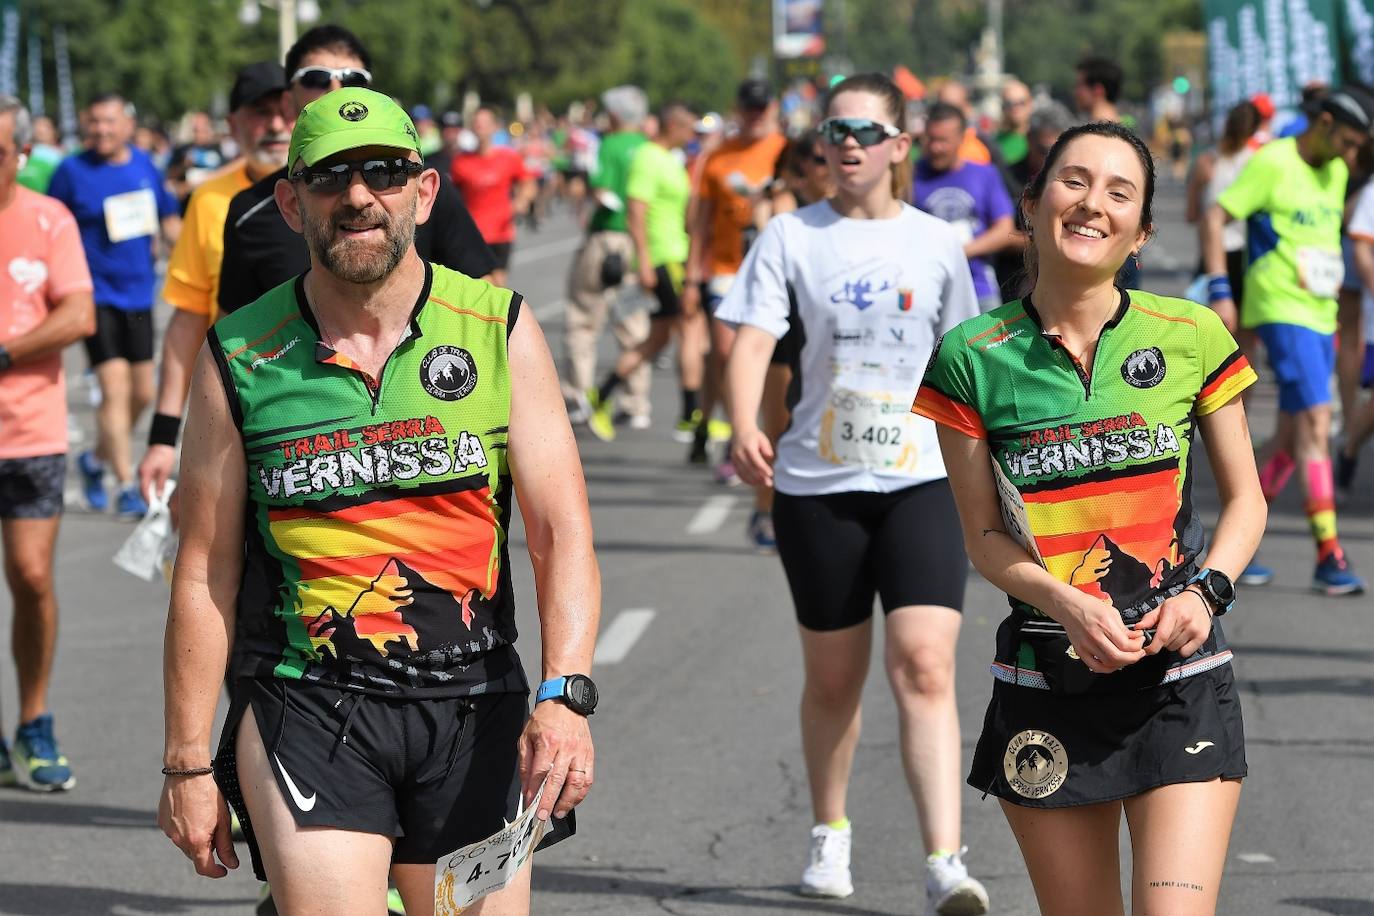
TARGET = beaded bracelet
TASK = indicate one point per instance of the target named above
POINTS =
(189, 771)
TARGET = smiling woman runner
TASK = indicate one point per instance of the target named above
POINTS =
(1066, 422)
(862, 505)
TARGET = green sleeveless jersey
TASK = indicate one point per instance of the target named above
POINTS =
(378, 509)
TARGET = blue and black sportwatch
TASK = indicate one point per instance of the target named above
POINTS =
(576, 690)
(1217, 590)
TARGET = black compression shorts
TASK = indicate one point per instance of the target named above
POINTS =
(32, 487)
(436, 774)
(120, 334)
(842, 549)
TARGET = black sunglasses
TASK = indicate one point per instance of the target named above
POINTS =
(323, 77)
(378, 174)
(868, 133)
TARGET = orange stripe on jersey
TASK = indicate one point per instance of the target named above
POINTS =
(1179, 318)
(497, 319)
(1231, 382)
(935, 406)
(1151, 532)
(1105, 489)
(257, 340)
(999, 326)
(458, 503)
(471, 560)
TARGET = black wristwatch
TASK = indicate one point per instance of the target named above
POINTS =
(576, 690)
(5, 360)
(1217, 590)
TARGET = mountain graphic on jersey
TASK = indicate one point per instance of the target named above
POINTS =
(1140, 507)
(404, 576)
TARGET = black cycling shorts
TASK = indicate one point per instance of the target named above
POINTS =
(500, 252)
(32, 487)
(436, 774)
(841, 549)
(120, 334)
(668, 291)
(1040, 749)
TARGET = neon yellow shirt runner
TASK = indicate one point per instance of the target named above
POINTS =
(659, 180)
(1293, 218)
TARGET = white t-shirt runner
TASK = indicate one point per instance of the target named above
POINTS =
(873, 296)
(1362, 227)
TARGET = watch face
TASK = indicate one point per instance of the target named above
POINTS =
(1221, 588)
(582, 693)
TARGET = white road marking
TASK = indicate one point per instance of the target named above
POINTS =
(1254, 858)
(523, 256)
(711, 516)
(619, 638)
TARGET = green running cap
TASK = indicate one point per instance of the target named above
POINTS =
(347, 119)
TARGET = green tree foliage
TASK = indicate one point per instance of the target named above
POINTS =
(170, 56)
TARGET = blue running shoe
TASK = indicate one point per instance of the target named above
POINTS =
(7, 777)
(1334, 577)
(1255, 573)
(761, 532)
(38, 761)
(130, 503)
(93, 481)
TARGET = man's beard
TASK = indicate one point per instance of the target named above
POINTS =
(357, 261)
(269, 158)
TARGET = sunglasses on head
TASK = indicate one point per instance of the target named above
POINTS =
(323, 77)
(868, 133)
(378, 174)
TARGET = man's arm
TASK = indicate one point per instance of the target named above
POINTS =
(1219, 294)
(185, 333)
(171, 230)
(997, 236)
(637, 223)
(70, 320)
(200, 622)
(556, 744)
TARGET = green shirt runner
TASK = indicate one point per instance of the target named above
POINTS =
(613, 160)
(659, 180)
(1093, 463)
(1293, 216)
(378, 508)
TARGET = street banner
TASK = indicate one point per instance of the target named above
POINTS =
(798, 29)
(36, 107)
(1270, 46)
(66, 94)
(1357, 39)
(9, 47)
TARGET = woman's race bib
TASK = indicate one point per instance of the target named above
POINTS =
(869, 429)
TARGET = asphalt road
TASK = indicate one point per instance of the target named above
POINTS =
(700, 805)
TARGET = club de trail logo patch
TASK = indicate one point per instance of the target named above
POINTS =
(1035, 764)
(448, 373)
(352, 111)
(1144, 368)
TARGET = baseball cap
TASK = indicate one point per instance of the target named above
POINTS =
(255, 81)
(421, 113)
(1263, 104)
(346, 119)
(451, 119)
(754, 94)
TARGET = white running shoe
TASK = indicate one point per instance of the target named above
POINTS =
(949, 889)
(827, 873)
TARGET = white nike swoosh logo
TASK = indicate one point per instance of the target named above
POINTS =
(305, 804)
(1195, 749)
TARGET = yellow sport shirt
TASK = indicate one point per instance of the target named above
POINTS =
(193, 270)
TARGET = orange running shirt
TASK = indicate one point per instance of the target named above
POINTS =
(732, 177)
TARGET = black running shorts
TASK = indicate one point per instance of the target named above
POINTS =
(436, 774)
(32, 487)
(667, 291)
(120, 334)
(1051, 750)
(501, 252)
(841, 549)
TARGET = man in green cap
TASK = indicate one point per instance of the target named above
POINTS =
(354, 440)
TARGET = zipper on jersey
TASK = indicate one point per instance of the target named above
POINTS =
(1085, 374)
